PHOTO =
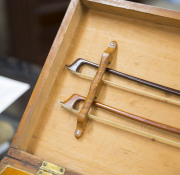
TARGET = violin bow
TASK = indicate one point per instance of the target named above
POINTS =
(71, 103)
(75, 67)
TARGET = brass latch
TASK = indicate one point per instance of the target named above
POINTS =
(50, 169)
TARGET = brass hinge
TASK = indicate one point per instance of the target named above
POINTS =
(50, 169)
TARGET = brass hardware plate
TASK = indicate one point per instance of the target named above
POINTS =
(50, 169)
(41, 172)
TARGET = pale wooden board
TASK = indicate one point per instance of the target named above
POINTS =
(145, 50)
(48, 76)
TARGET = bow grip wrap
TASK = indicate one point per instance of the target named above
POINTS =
(94, 89)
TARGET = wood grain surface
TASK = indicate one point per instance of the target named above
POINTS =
(24, 161)
(47, 77)
(146, 50)
(95, 88)
(149, 49)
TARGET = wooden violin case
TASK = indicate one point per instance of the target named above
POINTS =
(148, 40)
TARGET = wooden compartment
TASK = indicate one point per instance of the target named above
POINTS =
(148, 47)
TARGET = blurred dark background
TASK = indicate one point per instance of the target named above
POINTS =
(28, 27)
(27, 30)
(31, 26)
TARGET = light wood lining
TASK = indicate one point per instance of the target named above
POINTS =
(145, 50)
(136, 10)
(47, 76)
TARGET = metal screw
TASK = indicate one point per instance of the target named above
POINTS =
(44, 163)
(112, 44)
(40, 172)
(61, 170)
(78, 132)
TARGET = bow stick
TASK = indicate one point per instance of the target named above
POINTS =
(75, 98)
(94, 89)
(71, 103)
(75, 67)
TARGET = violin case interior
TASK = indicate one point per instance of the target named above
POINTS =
(148, 41)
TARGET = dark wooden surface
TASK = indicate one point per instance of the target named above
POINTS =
(33, 25)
